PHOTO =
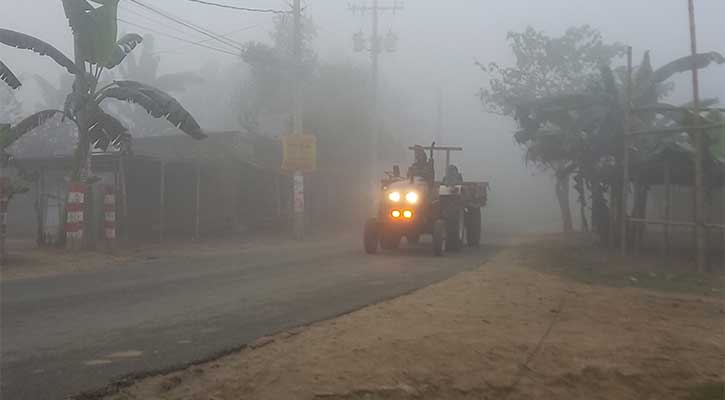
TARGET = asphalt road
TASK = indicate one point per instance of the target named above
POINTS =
(70, 333)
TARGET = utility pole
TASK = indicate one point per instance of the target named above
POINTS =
(439, 120)
(376, 47)
(700, 230)
(625, 158)
(299, 179)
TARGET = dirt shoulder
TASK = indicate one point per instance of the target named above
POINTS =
(507, 330)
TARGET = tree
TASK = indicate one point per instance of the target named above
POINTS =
(97, 49)
(586, 129)
(271, 67)
(11, 186)
(547, 66)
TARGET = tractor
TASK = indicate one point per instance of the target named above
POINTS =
(417, 204)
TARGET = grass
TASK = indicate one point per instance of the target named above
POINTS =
(582, 260)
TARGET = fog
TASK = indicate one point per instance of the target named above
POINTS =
(439, 43)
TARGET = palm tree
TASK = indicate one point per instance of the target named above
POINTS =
(96, 50)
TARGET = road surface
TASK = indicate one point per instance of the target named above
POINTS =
(76, 332)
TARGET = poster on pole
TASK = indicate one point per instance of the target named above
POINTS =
(299, 193)
(299, 153)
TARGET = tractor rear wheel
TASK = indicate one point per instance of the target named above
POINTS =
(370, 236)
(439, 234)
(454, 232)
(473, 226)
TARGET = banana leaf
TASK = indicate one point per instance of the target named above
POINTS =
(106, 130)
(27, 42)
(684, 64)
(95, 29)
(157, 103)
(8, 77)
(8, 136)
(123, 47)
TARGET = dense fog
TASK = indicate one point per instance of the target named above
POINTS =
(438, 45)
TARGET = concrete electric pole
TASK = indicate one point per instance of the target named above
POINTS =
(700, 229)
(299, 179)
(376, 47)
(439, 116)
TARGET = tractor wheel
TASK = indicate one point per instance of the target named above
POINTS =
(439, 235)
(370, 236)
(413, 238)
(473, 226)
(389, 240)
(454, 233)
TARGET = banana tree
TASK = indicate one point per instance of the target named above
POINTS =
(94, 26)
(584, 130)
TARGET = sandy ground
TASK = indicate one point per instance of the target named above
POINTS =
(510, 330)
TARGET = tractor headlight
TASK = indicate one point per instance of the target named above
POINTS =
(394, 196)
(395, 213)
(407, 214)
(411, 197)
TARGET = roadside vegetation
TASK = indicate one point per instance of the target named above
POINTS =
(567, 95)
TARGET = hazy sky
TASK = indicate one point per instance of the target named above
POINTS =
(439, 41)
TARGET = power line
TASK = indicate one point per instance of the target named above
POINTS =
(247, 9)
(178, 38)
(206, 40)
(154, 21)
(191, 26)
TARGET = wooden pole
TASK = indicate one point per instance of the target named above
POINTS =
(625, 177)
(668, 209)
(278, 195)
(635, 226)
(162, 200)
(700, 230)
(124, 196)
(198, 199)
(40, 208)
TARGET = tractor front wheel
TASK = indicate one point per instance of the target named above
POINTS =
(370, 236)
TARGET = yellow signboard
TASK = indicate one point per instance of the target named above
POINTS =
(299, 153)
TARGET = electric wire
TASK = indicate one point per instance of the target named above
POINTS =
(203, 31)
(247, 9)
(199, 44)
(164, 51)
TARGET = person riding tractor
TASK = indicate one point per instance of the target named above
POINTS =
(449, 210)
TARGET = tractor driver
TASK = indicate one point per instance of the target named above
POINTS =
(421, 166)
